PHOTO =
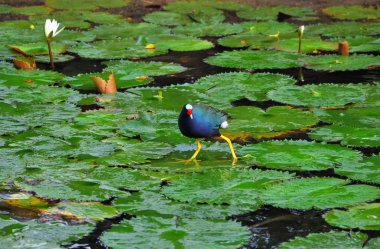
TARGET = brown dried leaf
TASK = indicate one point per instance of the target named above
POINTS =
(105, 86)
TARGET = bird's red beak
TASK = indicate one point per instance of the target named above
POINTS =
(190, 113)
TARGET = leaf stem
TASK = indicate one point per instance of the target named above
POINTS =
(50, 54)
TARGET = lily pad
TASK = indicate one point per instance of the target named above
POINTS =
(352, 12)
(31, 10)
(271, 13)
(323, 95)
(353, 117)
(255, 59)
(341, 29)
(298, 155)
(86, 4)
(248, 39)
(364, 217)
(115, 49)
(201, 30)
(156, 204)
(189, 6)
(346, 135)
(144, 231)
(318, 192)
(275, 121)
(179, 43)
(333, 239)
(26, 78)
(366, 170)
(342, 63)
(309, 45)
(254, 87)
(83, 211)
(32, 234)
(126, 30)
(241, 188)
(166, 18)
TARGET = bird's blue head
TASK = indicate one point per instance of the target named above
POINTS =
(189, 109)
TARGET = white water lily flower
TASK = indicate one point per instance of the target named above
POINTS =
(51, 28)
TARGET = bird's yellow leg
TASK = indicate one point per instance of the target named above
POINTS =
(231, 148)
(199, 146)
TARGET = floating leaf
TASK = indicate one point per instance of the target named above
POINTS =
(333, 239)
(364, 217)
(126, 30)
(241, 188)
(166, 18)
(367, 170)
(115, 49)
(189, 6)
(200, 30)
(372, 98)
(360, 43)
(179, 42)
(144, 231)
(298, 155)
(353, 117)
(271, 13)
(31, 10)
(342, 29)
(346, 135)
(217, 88)
(13, 77)
(317, 192)
(255, 59)
(33, 234)
(323, 95)
(342, 63)
(309, 45)
(86, 4)
(247, 39)
(129, 152)
(156, 204)
(352, 12)
(83, 211)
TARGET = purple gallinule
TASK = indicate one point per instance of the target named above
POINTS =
(202, 121)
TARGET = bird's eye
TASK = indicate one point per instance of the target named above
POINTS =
(189, 107)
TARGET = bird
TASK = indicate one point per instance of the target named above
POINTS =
(203, 121)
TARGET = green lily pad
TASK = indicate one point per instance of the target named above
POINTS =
(129, 152)
(166, 18)
(352, 12)
(367, 170)
(298, 155)
(126, 30)
(11, 165)
(57, 58)
(179, 43)
(31, 10)
(255, 59)
(254, 87)
(342, 29)
(156, 204)
(364, 217)
(247, 39)
(241, 188)
(212, 156)
(353, 117)
(144, 231)
(317, 192)
(200, 30)
(309, 45)
(342, 63)
(38, 94)
(86, 4)
(346, 135)
(115, 49)
(4, 8)
(33, 234)
(189, 6)
(360, 43)
(323, 95)
(26, 78)
(83, 211)
(333, 239)
(40, 48)
(372, 98)
(270, 13)
(247, 121)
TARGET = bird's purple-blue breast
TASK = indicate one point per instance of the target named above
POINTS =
(205, 123)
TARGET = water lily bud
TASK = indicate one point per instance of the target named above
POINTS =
(51, 28)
